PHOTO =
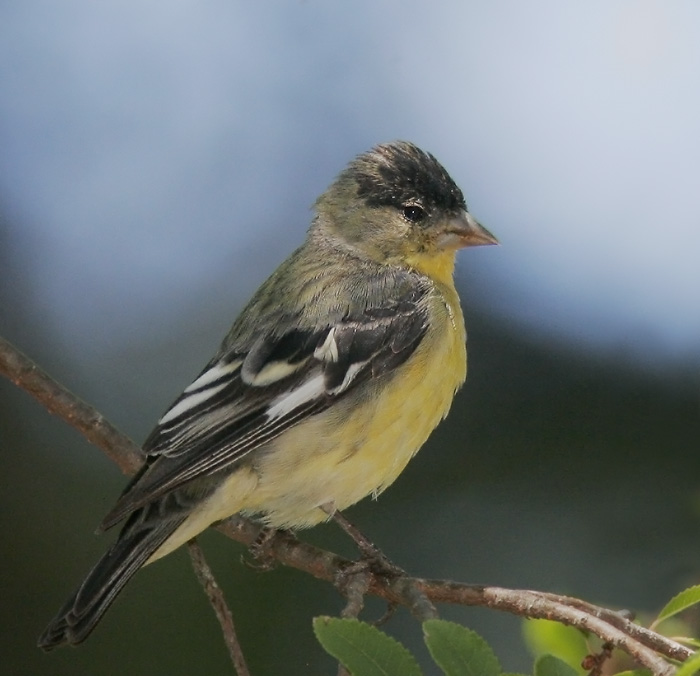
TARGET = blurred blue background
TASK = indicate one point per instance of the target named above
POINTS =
(158, 160)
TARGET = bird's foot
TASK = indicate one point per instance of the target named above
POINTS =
(353, 581)
(372, 559)
(261, 549)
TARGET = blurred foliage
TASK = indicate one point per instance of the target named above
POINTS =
(546, 637)
(556, 469)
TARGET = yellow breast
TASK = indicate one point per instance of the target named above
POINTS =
(357, 449)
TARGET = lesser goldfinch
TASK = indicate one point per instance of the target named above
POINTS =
(329, 381)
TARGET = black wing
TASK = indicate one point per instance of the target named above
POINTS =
(243, 400)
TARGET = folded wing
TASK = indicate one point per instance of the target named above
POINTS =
(244, 399)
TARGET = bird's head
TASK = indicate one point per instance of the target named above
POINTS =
(398, 205)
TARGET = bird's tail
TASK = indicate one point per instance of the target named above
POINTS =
(138, 540)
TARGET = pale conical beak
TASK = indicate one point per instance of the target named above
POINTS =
(464, 230)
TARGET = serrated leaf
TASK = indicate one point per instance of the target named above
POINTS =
(546, 637)
(549, 665)
(364, 650)
(688, 597)
(691, 667)
(459, 651)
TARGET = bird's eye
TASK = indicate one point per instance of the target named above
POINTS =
(413, 213)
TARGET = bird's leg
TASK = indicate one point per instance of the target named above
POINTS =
(372, 557)
(353, 581)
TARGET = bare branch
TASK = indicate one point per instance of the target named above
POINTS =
(218, 603)
(562, 609)
(644, 645)
(56, 399)
(620, 620)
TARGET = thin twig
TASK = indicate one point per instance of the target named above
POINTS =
(354, 588)
(56, 399)
(642, 644)
(537, 605)
(218, 603)
(594, 663)
(417, 601)
(647, 637)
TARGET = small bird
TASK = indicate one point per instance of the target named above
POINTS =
(330, 380)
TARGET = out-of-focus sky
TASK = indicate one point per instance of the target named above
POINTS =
(149, 148)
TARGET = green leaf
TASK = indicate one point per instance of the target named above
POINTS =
(549, 665)
(688, 597)
(634, 672)
(691, 667)
(546, 637)
(363, 649)
(459, 651)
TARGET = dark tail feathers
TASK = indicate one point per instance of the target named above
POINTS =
(84, 609)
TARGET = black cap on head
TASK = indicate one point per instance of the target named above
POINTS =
(394, 174)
